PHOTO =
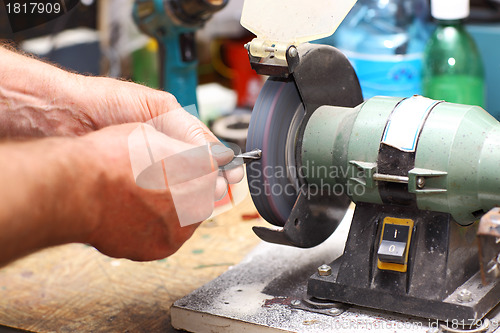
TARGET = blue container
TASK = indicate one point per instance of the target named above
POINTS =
(385, 41)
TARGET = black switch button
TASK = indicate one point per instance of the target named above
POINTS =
(394, 252)
(396, 232)
(188, 47)
(394, 244)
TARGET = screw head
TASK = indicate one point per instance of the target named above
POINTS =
(295, 302)
(324, 270)
(464, 296)
(420, 182)
(292, 52)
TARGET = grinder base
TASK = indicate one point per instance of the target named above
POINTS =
(442, 279)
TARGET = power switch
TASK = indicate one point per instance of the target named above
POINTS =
(394, 243)
(393, 246)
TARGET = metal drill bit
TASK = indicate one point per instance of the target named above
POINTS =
(242, 158)
(255, 154)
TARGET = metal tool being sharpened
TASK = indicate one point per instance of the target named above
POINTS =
(421, 172)
(252, 155)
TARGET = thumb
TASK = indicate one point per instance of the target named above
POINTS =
(154, 153)
(183, 126)
(222, 154)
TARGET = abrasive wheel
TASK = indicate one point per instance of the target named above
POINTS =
(273, 128)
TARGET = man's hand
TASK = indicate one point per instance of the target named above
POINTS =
(145, 224)
(60, 190)
(84, 188)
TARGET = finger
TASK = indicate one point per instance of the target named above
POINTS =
(194, 200)
(183, 126)
(220, 188)
(222, 154)
(173, 161)
(233, 176)
(148, 146)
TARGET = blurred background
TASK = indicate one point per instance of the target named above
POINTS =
(101, 37)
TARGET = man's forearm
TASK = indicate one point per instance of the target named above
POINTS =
(38, 99)
(41, 187)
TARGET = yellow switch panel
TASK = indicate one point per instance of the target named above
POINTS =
(394, 244)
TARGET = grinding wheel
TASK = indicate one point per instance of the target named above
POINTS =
(273, 128)
(321, 75)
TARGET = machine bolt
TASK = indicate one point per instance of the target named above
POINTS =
(464, 296)
(292, 52)
(324, 270)
(296, 302)
(420, 182)
(335, 311)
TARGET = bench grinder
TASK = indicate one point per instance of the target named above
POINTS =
(421, 173)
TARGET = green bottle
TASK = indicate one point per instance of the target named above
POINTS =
(453, 69)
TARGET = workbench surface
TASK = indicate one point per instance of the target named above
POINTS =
(74, 288)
